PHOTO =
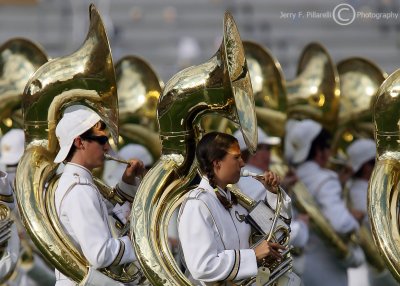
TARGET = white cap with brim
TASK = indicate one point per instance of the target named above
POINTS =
(76, 120)
(263, 138)
(12, 147)
(130, 151)
(299, 138)
(360, 152)
(113, 170)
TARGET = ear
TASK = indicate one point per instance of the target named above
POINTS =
(78, 143)
(216, 164)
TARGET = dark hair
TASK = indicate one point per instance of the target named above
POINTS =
(246, 153)
(322, 141)
(99, 125)
(213, 146)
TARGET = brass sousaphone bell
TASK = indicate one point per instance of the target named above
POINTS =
(384, 184)
(139, 88)
(85, 77)
(359, 82)
(269, 88)
(19, 59)
(221, 86)
(315, 92)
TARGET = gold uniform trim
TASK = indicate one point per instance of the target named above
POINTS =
(7, 198)
(235, 269)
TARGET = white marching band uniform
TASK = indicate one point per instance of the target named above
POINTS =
(83, 214)
(358, 189)
(221, 250)
(321, 261)
(11, 251)
(39, 273)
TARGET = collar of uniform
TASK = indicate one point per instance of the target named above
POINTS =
(253, 169)
(79, 170)
(204, 184)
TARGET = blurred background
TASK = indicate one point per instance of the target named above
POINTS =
(172, 34)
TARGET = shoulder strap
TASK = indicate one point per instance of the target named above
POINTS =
(196, 197)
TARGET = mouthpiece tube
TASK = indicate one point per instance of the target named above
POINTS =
(109, 157)
(247, 173)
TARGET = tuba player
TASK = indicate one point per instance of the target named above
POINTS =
(82, 211)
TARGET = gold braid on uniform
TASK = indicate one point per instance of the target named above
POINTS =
(7, 198)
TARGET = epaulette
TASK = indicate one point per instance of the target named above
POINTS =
(81, 180)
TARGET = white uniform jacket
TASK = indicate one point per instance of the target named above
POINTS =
(215, 241)
(358, 194)
(83, 214)
(322, 263)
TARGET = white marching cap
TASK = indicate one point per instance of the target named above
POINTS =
(360, 152)
(130, 151)
(298, 139)
(12, 147)
(76, 120)
(113, 171)
(263, 138)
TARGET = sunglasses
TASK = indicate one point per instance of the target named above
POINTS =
(102, 140)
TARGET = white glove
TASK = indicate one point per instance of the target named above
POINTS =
(96, 278)
(355, 257)
(263, 275)
(122, 211)
(289, 279)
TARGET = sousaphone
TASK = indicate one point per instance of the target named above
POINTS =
(139, 88)
(359, 82)
(269, 88)
(315, 92)
(85, 77)
(19, 59)
(221, 86)
(384, 185)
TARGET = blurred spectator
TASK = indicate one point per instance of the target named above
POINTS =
(188, 52)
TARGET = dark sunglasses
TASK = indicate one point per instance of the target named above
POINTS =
(102, 140)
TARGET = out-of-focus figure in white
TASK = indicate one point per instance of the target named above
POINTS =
(258, 162)
(31, 269)
(361, 155)
(188, 52)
